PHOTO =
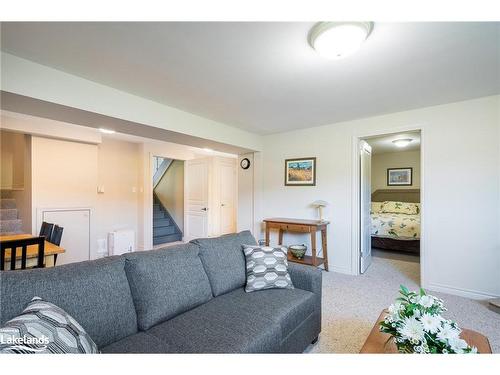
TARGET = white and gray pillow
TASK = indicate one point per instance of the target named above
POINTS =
(266, 268)
(44, 328)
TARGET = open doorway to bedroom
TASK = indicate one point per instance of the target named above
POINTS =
(390, 223)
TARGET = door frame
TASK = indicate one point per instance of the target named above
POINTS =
(356, 201)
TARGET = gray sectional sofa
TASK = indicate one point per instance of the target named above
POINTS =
(182, 299)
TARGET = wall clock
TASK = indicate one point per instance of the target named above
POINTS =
(245, 163)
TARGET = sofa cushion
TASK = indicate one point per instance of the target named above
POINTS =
(95, 293)
(138, 343)
(266, 268)
(166, 282)
(285, 307)
(220, 326)
(224, 261)
(46, 329)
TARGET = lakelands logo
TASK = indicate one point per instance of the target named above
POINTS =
(32, 344)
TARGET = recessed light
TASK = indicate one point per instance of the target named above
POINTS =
(335, 40)
(106, 131)
(403, 142)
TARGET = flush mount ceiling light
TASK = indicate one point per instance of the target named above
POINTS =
(402, 142)
(335, 40)
(106, 131)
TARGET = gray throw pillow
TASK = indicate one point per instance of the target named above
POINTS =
(44, 328)
(267, 268)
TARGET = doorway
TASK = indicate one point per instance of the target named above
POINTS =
(168, 200)
(390, 207)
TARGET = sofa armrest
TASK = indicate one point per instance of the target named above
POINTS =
(306, 277)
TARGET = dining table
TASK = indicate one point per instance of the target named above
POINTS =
(51, 250)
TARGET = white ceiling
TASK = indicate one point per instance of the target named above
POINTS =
(264, 77)
(383, 144)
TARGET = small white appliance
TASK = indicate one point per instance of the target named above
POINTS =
(121, 242)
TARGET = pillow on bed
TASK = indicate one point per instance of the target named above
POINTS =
(376, 207)
(400, 208)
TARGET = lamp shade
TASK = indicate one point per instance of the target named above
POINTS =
(319, 203)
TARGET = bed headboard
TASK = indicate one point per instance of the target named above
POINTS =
(398, 195)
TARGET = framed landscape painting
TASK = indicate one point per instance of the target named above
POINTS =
(300, 172)
(399, 176)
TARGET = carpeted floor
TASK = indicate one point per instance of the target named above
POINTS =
(351, 304)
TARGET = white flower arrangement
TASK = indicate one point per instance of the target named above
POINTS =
(416, 325)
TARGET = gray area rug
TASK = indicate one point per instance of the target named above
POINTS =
(351, 304)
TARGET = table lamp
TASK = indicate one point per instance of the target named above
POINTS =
(319, 204)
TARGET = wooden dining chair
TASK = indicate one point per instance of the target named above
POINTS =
(55, 238)
(46, 230)
(13, 245)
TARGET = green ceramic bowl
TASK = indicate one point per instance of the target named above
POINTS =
(298, 251)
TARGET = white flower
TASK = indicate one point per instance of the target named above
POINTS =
(394, 311)
(431, 323)
(412, 329)
(447, 332)
(457, 345)
(426, 301)
(473, 350)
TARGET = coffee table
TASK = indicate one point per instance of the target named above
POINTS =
(377, 343)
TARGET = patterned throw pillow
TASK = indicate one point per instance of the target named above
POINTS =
(400, 208)
(44, 328)
(267, 268)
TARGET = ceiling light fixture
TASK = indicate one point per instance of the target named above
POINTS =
(335, 40)
(403, 142)
(206, 149)
(106, 131)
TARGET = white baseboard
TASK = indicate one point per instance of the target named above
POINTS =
(461, 292)
(344, 270)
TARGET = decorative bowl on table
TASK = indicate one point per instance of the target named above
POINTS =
(298, 251)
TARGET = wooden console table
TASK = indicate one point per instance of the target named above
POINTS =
(302, 226)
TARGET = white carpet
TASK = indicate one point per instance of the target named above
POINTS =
(351, 304)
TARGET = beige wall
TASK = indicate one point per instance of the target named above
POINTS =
(13, 146)
(118, 174)
(402, 159)
(66, 175)
(460, 154)
(170, 191)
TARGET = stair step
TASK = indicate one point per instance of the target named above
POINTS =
(167, 239)
(164, 222)
(163, 231)
(159, 215)
(5, 193)
(8, 214)
(7, 203)
(10, 226)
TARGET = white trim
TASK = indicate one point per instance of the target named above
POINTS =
(462, 292)
(344, 270)
(355, 192)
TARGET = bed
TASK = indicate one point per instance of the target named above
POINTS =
(395, 220)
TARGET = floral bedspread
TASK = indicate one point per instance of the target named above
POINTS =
(397, 226)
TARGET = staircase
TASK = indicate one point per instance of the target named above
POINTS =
(9, 219)
(165, 229)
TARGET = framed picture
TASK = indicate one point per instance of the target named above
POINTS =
(399, 176)
(300, 172)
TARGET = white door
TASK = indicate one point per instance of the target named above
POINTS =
(76, 233)
(196, 199)
(227, 197)
(365, 203)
